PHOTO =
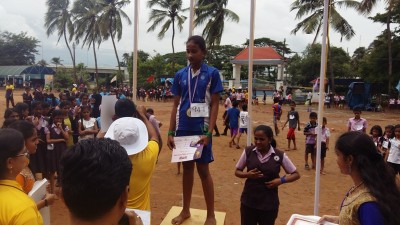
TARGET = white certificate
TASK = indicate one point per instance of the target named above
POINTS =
(186, 148)
(38, 193)
(107, 111)
(199, 110)
(297, 219)
(385, 144)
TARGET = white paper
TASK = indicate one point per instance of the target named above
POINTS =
(107, 111)
(199, 110)
(144, 215)
(297, 219)
(385, 144)
(186, 149)
(37, 193)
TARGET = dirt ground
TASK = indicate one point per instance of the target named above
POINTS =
(297, 197)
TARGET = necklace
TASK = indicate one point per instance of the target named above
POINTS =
(354, 188)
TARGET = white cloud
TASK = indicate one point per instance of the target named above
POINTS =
(273, 20)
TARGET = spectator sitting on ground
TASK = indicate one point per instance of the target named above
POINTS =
(94, 178)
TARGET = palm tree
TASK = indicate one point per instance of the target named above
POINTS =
(313, 22)
(214, 13)
(56, 61)
(87, 27)
(169, 13)
(110, 21)
(366, 7)
(58, 18)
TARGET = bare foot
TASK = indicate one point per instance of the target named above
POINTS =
(180, 218)
(294, 148)
(210, 221)
(288, 149)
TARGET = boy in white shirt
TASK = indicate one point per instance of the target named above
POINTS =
(243, 123)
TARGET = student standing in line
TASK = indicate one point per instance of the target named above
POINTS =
(196, 86)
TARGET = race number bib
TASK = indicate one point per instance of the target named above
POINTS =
(199, 110)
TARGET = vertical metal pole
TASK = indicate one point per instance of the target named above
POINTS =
(135, 51)
(250, 74)
(191, 18)
(321, 104)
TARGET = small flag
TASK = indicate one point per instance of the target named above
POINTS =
(150, 79)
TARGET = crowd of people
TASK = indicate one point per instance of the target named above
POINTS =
(59, 138)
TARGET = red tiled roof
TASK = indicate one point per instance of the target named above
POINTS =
(258, 53)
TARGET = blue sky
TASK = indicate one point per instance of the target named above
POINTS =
(273, 19)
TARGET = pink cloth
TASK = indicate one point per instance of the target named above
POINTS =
(287, 165)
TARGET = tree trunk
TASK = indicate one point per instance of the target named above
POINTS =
(116, 54)
(95, 66)
(173, 47)
(389, 40)
(72, 56)
(316, 35)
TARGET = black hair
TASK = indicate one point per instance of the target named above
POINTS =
(244, 107)
(324, 120)
(11, 143)
(268, 132)
(313, 115)
(376, 174)
(292, 103)
(83, 95)
(396, 127)
(125, 108)
(150, 110)
(378, 128)
(26, 128)
(8, 121)
(37, 104)
(276, 100)
(391, 127)
(20, 107)
(45, 105)
(199, 41)
(64, 103)
(94, 174)
(235, 104)
(8, 112)
(54, 114)
(357, 109)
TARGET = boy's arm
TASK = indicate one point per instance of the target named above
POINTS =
(298, 122)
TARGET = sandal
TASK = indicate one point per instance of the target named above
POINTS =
(307, 167)
(237, 147)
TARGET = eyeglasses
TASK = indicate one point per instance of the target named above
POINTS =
(26, 154)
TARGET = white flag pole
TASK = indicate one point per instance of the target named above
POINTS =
(321, 104)
(135, 51)
(250, 74)
(191, 18)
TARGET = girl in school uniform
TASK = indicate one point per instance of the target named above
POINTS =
(57, 137)
(196, 91)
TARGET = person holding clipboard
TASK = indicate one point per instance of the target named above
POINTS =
(196, 91)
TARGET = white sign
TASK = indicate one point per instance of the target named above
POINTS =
(199, 110)
(144, 215)
(297, 219)
(37, 193)
(107, 111)
(186, 148)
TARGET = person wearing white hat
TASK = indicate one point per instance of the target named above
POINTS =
(140, 140)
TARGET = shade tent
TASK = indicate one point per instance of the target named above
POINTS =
(261, 56)
(29, 71)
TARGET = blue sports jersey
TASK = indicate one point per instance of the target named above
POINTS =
(233, 117)
(208, 83)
